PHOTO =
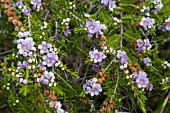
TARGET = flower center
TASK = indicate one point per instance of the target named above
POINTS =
(45, 48)
(91, 27)
(96, 56)
(146, 23)
(25, 47)
(48, 60)
(141, 82)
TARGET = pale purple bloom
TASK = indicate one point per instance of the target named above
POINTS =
(23, 64)
(96, 67)
(27, 12)
(24, 81)
(25, 46)
(46, 78)
(112, 5)
(50, 59)
(19, 4)
(37, 4)
(139, 43)
(93, 26)
(168, 24)
(162, 27)
(142, 81)
(105, 2)
(120, 54)
(44, 47)
(147, 23)
(92, 87)
(97, 56)
(149, 87)
(67, 31)
(147, 61)
(168, 39)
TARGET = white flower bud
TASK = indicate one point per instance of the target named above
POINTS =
(121, 67)
(50, 84)
(17, 101)
(55, 84)
(33, 66)
(7, 88)
(168, 65)
(30, 60)
(17, 75)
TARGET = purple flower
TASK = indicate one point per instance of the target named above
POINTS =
(162, 27)
(27, 12)
(168, 24)
(44, 47)
(19, 4)
(46, 78)
(24, 81)
(105, 2)
(37, 4)
(168, 39)
(23, 65)
(50, 59)
(147, 61)
(139, 43)
(96, 67)
(142, 81)
(92, 87)
(149, 87)
(120, 54)
(112, 5)
(92, 26)
(147, 23)
(67, 31)
(97, 56)
(25, 45)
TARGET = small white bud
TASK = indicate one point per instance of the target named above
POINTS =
(30, 60)
(17, 101)
(7, 88)
(50, 84)
(68, 19)
(121, 67)
(17, 75)
(33, 66)
(8, 84)
(55, 84)
(43, 33)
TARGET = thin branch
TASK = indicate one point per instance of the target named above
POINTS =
(117, 82)
(65, 82)
(121, 31)
(6, 52)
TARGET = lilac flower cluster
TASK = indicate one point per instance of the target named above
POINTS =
(46, 78)
(143, 45)
(123, 59)
(111, 4)
(147, 61)
(51, 57)
(166, 26)
(23, 64)
(37, 4)
(142, 81)
(157, 6)
(57, 105)
(92, 87)
(147, 23)
(97, 56)
(44, 47)
(94, 27)
(20, 5)
(25, 47)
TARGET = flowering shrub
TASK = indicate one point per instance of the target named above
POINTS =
(108, 56)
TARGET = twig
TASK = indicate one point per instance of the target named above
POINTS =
(29, 24)
(98, 10)
(6, 52)
(121, 32)
(165, 102)
(3, 106)
(109, 64)
(116, 82)
(85, 74)
(65, 82)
